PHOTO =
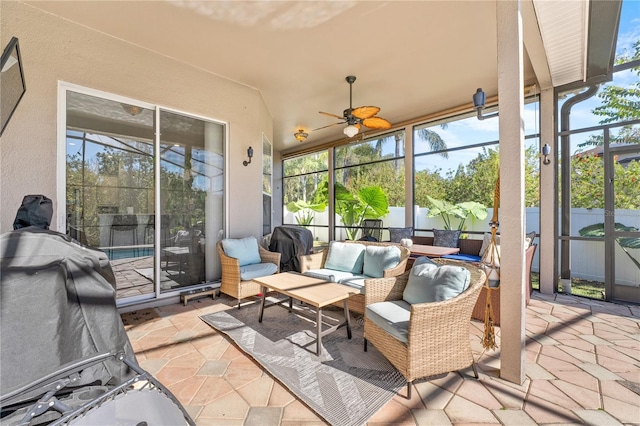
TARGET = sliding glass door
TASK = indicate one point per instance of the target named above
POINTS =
(146, 186)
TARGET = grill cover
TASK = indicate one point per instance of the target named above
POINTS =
(291, 241)
(57, 306)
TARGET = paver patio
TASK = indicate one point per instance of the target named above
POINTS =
(582, 367)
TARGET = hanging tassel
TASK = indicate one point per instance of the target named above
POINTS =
(490, 263)
(489, 337)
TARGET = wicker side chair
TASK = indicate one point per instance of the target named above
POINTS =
(438, 335)
(355, 302)
(231, 283)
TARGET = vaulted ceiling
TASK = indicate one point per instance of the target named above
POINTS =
(411, 58)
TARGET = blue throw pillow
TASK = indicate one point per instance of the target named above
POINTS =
(243, 249)
(379, 258)
(347, 257)
(446, 238)
(435, 283)
(397, 234)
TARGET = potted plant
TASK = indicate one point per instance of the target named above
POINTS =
(460, 211)
(368, 203)
(306, 211)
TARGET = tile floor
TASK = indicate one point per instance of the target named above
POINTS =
(582, 367)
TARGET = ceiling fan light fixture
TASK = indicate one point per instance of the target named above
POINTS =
(301, 136)
(350, 131)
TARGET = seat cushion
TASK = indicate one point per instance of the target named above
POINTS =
(357, 281)
(379, 258)
(463, 257)
(428, 284)
(243, 249)
(330, 274)
(346, 257)
(393, 317)
(446, 237)
(256, 270)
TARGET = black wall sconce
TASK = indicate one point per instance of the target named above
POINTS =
(249, 154)
(546, 152)
(479, 99)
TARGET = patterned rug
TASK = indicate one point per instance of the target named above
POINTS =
(344, 385)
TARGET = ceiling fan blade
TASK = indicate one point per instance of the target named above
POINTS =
(365, 111)
(376, 123)
(332, 115)
(324, 127)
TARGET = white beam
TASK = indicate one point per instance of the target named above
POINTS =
(512, 218)
(548, 191)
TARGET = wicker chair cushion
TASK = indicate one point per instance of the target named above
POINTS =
(446, 237)
(256, 270)
(330, 274)
(243, 249)
(379, 258)
(397, 234)
(393, 317)
(355, 282)
(347, 257)
(428, 284)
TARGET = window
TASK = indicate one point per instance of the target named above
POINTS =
(267, 180)
(305, 193)
(361, 169)
(457, 160)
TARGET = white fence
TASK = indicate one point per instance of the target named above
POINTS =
(587, 260)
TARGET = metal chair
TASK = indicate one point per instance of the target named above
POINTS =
(372, 228)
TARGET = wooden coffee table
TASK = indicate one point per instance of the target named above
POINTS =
(313, 291)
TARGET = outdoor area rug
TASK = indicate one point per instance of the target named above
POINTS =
(344, 385)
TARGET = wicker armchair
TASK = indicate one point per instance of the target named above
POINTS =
(438, 336)
(231, 284)
(356, 301)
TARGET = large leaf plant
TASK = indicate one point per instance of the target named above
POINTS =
(305, 211)
(625, 243)
(460, 211)
(370, 202)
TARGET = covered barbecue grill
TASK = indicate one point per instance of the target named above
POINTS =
(66, 358)
(291, 241)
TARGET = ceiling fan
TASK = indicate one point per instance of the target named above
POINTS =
(358, 117)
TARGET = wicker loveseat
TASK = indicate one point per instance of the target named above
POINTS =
(315, 265)
(437, 337)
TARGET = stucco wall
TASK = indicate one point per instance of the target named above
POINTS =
(56, 50)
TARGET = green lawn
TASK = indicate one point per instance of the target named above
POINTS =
(579, 287)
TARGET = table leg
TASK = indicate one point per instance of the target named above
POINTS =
(319, 331)
(347, 317)
(262, 301)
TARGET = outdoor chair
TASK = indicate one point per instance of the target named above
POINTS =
(432, 337)
(372, 228)
(242, 260)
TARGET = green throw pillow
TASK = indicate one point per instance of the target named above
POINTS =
(435, 283)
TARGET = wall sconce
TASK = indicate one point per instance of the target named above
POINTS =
(546, 152)
(301, 136)
(479, 99)
(249, 154)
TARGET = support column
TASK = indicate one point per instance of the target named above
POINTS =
(548, 191)
(512, 217)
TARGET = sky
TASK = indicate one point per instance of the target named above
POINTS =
(472, 130)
